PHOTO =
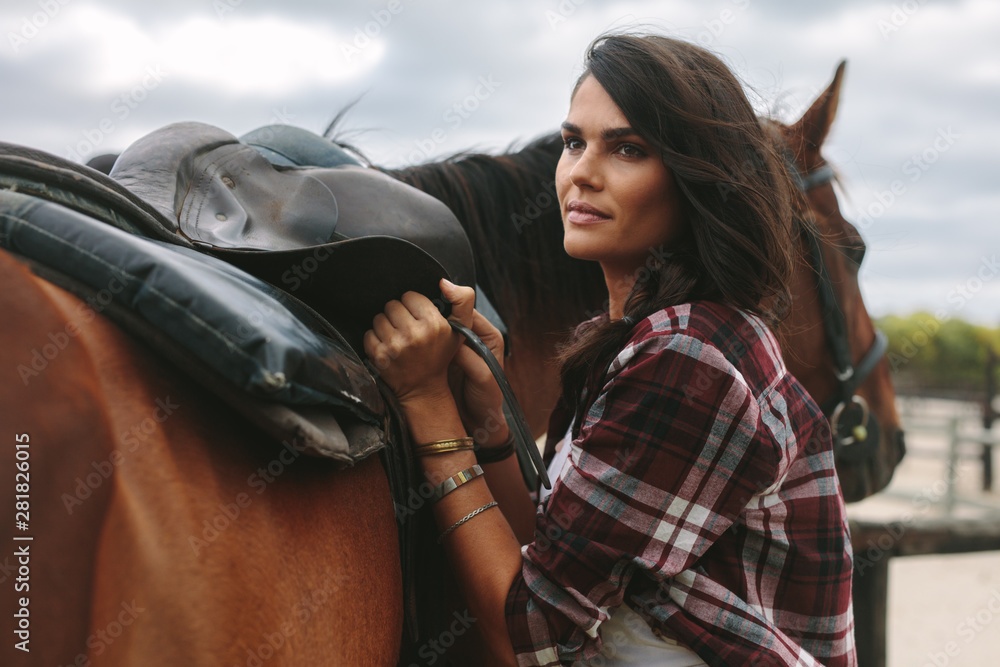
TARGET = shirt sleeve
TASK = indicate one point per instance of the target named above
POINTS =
(667, 459)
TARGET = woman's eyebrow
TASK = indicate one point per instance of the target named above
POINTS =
(606, 135)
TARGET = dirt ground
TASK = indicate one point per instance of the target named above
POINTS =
(943, 610)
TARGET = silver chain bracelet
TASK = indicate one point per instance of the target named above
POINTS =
(466, 518)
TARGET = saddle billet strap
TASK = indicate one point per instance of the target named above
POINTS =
(403, 476)
(522, 434)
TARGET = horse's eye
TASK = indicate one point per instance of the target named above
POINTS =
(856, 252)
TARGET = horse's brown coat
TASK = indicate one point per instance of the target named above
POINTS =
(803, 337)
(310, 565)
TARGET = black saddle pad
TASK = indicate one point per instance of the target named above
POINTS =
(246, 332)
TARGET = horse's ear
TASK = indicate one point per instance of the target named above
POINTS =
(815, 123)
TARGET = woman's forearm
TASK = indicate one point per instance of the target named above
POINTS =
(504, 477)
(507, 485)
(484, 552)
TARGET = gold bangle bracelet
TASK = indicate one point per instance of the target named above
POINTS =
(444, 446)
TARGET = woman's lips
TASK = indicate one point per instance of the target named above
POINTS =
(579, 213)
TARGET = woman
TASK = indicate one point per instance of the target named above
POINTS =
(696, 517)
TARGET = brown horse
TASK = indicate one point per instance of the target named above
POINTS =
(166, 531)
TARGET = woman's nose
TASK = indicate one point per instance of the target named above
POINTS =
(586, 172)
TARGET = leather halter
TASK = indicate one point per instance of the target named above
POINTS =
(854, 428)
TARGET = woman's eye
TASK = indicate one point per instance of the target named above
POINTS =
(572, 143)
(631, 150)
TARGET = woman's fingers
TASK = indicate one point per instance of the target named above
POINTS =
(422, 309)
(375, 349)
(412, 317)
(398, 314)
(472, 365)
(382, 326)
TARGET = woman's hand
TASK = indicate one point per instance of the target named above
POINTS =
(480, 401)
(423, 361)
(411, 345)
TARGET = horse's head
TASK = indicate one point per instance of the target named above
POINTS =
(831, 344)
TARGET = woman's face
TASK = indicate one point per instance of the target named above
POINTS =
(618, 200)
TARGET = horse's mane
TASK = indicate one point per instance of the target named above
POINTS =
(508, 207)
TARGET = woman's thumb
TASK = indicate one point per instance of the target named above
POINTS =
(462, 299)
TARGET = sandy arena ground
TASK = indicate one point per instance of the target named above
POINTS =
(943, 610)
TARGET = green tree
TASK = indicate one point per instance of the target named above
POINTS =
(925, 352)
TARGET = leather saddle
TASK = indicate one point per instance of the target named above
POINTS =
(345, 240)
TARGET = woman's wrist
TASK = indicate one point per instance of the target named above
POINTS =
(493, 438)
(439, 467)
(498, 452)
(433, 396)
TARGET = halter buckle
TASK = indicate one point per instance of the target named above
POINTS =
(852, 438)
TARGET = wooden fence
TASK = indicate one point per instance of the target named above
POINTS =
(876, 543)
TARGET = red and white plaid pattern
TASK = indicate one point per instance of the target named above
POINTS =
(701, 492)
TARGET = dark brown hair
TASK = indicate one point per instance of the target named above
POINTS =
(736, 196)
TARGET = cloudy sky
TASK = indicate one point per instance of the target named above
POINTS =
(917, 137)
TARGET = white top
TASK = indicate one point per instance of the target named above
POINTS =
(556, 466)
(627, 640)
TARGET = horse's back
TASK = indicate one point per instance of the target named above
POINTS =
(166, 529)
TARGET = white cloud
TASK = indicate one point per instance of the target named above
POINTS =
(232, 54)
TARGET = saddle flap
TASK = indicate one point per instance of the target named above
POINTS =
(348, 282)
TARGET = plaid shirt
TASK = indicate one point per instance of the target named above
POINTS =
(700, 492)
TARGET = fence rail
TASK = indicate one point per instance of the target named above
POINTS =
(871, 577)
(962, 429)
(876, 542)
